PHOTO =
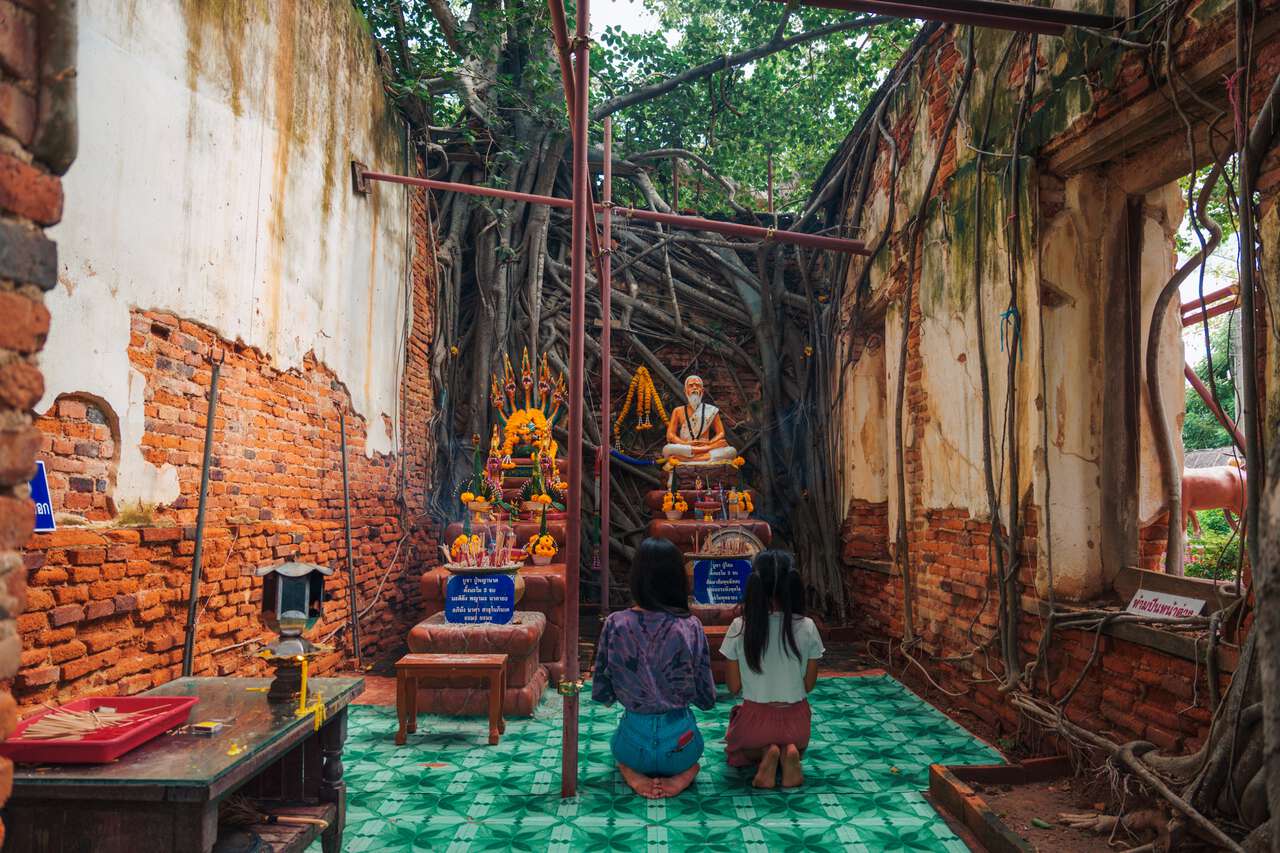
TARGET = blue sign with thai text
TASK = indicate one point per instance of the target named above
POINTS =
(475, 599)
(720, 581)
(40, 496)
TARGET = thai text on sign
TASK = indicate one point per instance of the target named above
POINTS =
(1163, 605)
(720, 581)
(475, 599)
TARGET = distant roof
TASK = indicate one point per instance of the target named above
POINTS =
(1213, 457)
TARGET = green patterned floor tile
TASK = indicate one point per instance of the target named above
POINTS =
(448, 790)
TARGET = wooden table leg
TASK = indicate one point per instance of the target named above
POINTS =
(402, 709)
(411, 688)
(495, 705)
(502, 697)
(332, 789)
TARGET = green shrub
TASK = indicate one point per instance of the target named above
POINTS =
(1215, 553)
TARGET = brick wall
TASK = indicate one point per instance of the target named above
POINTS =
(109, 595)
(37, 145)
(1131, 691)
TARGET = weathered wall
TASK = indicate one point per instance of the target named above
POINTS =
(37, 145)
(246, 246)
(1062, 257)
(214, 184)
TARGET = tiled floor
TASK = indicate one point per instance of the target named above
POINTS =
(447, 790)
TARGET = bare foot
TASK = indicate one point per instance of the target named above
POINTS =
(792, 773)
(645, 786)
(766, 773)
(673, 785)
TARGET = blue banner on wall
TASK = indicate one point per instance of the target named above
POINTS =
(474, 599)
(720, 581)
(40, 496)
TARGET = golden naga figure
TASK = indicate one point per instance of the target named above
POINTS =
(695, 432)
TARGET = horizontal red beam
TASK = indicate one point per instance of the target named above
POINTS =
(1209, 298)
(1213, 311)
(980, 13)
(733, 229)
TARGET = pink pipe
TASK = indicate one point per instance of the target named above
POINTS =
(582, 212)
(1209, 298)
(733, 229)
(1203, 391)
(606, 333)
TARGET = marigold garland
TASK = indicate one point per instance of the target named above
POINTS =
(646, 399)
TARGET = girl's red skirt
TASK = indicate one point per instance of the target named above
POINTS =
(759, 725)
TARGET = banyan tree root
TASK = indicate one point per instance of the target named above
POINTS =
(1139, 824)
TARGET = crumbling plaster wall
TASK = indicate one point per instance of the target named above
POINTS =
(213, 184)
(1061, 388)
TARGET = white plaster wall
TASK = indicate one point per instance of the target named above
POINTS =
(1164, 211)
(1074, 397)
(212, 182)
(864, 427)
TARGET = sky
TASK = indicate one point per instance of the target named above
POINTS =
(629, 14)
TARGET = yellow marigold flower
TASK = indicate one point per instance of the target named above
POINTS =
(467, 497)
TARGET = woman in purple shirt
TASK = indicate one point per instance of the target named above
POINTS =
(654, 659)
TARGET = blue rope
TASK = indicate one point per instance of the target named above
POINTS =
(1011, 319)
(630, 460)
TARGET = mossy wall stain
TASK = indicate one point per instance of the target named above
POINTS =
(221, 26)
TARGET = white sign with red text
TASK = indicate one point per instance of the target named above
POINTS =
(1162, 605)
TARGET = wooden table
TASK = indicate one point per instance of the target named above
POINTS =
(164, 795)
(413, 668)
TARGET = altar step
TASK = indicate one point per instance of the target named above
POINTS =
(653, 499)
(524, 529)
(683, 532)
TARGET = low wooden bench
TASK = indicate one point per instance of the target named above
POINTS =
(429, 668)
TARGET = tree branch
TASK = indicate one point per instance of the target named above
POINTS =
(448, 24)
(648, 93)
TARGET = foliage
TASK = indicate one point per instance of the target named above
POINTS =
(796, 103)
(1221, 208)
(1201, 430)
(1215, 554)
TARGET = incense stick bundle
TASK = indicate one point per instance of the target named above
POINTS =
(239, 810)
(62, 723)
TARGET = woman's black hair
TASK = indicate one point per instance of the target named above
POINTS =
(658, 580)
(774, 585)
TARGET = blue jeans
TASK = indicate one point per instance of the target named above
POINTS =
(658, 744)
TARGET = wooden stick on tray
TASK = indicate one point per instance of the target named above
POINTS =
(60, 723)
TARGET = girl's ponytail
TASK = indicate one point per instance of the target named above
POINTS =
(774, 584)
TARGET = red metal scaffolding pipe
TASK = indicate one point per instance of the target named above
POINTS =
(733, 229)
(582, 212)
(980, 13)
(1209, 298)
(1203, 391)
(1213, 311)
(606, 334)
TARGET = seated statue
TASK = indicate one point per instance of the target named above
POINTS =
(695, 432)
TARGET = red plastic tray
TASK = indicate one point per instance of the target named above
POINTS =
(108, 744)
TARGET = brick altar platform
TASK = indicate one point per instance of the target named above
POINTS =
(543, 593)
(520, 641)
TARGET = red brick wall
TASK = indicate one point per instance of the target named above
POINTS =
(109, 601)
(1131, 691)
(80, 449)
(37, 122)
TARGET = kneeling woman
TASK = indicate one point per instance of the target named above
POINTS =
(654, 659)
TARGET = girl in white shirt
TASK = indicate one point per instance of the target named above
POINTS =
(773, 652)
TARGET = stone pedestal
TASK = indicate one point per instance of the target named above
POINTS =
(520, 641)
(543, 593)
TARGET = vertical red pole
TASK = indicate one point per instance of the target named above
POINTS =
(606, 318)
(582, 212)
(771, 182)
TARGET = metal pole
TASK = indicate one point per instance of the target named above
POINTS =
(696, 223)
(351, 566)
(582, 211)
(675, 184)
(606, 329)
(1203, 391)
(197, 559)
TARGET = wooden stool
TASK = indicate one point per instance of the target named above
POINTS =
(411, 669)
